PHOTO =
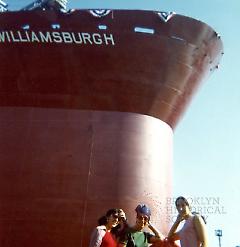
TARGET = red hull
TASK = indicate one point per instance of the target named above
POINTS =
(75, 135)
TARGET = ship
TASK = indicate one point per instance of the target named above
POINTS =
(89, 100)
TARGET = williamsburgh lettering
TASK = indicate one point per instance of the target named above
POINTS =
(79, 38)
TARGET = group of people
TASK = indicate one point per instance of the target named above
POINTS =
(113, 229)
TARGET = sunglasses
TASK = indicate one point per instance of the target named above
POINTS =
(141, 217)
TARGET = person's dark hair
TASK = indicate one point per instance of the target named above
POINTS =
(102, 220)
(182, 198)
(111, 211)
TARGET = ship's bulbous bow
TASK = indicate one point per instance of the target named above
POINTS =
(88, 101)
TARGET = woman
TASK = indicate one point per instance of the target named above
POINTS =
(119, 230)
(135, 235)
(193, 233)
(102, 235)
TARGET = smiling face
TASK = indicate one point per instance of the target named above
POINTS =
(141, 221)
(112, 220)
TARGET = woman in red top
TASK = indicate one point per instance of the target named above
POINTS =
(102, 236)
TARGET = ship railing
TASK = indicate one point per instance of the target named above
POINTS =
(3, 6)
(47, 4)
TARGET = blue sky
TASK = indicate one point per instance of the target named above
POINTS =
(207, 139)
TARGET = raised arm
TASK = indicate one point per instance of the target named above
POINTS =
(158, 236)
(173, 234)
(157, 233)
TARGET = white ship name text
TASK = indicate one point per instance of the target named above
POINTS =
(80, 38)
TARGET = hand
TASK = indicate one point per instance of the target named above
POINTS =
(122, 216)
(180, 217)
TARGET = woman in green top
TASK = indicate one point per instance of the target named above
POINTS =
(135, 236)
